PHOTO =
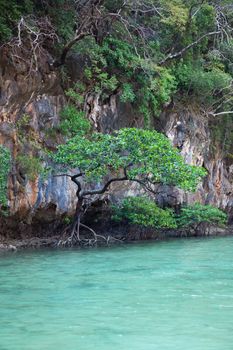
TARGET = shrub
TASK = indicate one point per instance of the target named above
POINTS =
(197, 213)
(73, 122)
(143, 212)
(201, 82)
(31, 166)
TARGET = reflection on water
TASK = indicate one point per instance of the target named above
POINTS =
(173, 295)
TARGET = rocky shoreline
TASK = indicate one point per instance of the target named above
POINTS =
(119, 235)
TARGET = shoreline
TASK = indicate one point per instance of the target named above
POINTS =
(121, 235)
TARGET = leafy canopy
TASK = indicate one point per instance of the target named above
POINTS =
(125, 55)
(115, 66)
(73, 122)
(143, 212)
(143, 154)
(197, 213)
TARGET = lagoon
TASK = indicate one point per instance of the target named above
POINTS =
(168, 295)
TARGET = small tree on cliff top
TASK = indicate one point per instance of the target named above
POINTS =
(135, 155)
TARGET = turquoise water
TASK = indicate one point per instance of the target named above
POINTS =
(175, 295)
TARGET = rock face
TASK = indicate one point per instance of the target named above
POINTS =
(190, 131)
(34, 99)
(40, 98)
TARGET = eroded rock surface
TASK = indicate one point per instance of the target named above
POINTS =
(41, 97)
(36, 100)
(189, 130)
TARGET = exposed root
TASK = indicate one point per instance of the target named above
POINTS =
(71, 236)
(111, 238)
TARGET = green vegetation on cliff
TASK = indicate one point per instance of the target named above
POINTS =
(144, 157)
(144, 212)
(4, 170)
(149, 53)
(194, 214)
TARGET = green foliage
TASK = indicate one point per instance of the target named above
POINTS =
(116, 65)
(127, 57)
(203, 83)
(197, 213)
(30, 165)
(156, 91)
(205, 18)
(24, 132)
(127, 93)
(221, 131)
(23, 122)
(143, 212)
(4, 170)
(73, 122)
(177, 15)
(62, 15)
(67, 220)
(75, 96)
(144, 153)
(10, 13)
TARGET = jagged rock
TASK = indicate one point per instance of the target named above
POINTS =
(194, 142)
(41, 97)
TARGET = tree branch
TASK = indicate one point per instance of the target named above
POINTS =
(105, 187)
(182, 52)
(90, 15)
(67, 48)
(220, 113)
(78, 183)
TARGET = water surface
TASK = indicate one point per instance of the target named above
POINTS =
(173, 295)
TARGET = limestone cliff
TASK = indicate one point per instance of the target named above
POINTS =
(190, 130)
(41, 97)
